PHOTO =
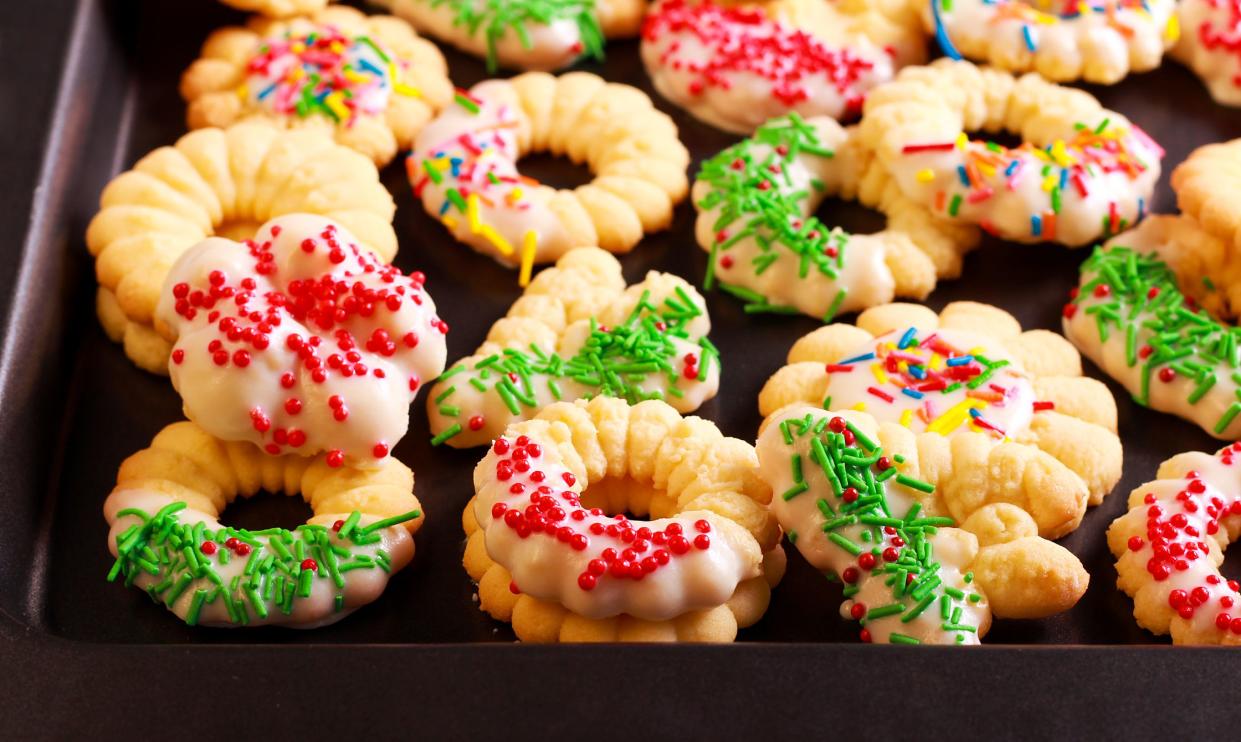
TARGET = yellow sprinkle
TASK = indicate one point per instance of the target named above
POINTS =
(877, 370)
(298, 47)
(471, 212)
(450, 222)
(296, 74)
(352, 76)
(952, 419)
(977, 350)
(962, 140)
(337, 47)
(936, 362)
(987, 170)
(926, 176)
(529, 244)
(496, 239)
(860, 407)
(335, 101)
(514, 195)
(409, 90)
(243, 91)
(1172, 32)
(1050, 182)
(906, 417)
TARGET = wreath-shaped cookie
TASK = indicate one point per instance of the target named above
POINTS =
(577, 332)
(368, 81)
(524, 34)
(1208, 46)
(168, 541)
(1082, 172)
(1171, 542)
(864, 502)
(221, 182)
(464, 167)
(553, 552)
(756, 202)
(1015, 421)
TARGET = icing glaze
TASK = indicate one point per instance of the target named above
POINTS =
(1170, 543)
(851, 513)
(528, 505)
(299, 340)
(326, 72)
(649, 344)
(1093, 180)
(755, 204)
(464, 168)
(735, 67)
(211, 575)
(1211, 45)
(942, 382)
(1100, 41)
(528, 34)
(1129, 317)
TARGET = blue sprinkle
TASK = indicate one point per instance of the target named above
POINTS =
(858, 359)
(917, 372)
(964, 176)
(911, 393)
(1036, 225)
(907, 339)
(1012, 167)
(1064, 178)
(960, 360)
(366, 64)
(267, 91)
(941, 34)
(974, 412)
(444, 207)
(1029, 37)
(1141, 208)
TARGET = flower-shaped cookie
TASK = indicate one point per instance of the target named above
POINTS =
(1012, 404)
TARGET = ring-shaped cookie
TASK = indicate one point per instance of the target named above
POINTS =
(1210, 46)
(166, 534)
(736, 67)
(857, 500)
(1170, 544)
(1206, 186)
(548, 557)
(540, 35)
(1130, 316)
(368, 81)
(1082, 172)
(1098, 43)
(219, 182)
(1010, 409)
(577, 332)
(756, 202)
(464, 167)
(299, 341)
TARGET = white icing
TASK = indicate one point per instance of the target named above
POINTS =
(1096, 193)
(779, 68)
(548, 46)
(548, 568)
(1097, 36)
(801, 514)
(468, 150)
(223, 399)
(1195, 492)
(362, 586)
(1005, 401)
(859, 267)
(1112, 356)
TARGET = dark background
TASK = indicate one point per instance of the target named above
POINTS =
(90, 87)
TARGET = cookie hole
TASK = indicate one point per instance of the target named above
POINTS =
(557, 172)
(237, 230)
(850, 217)
(265, 510)
(620, 496)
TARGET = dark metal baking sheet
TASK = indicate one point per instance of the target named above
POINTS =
(91, 86)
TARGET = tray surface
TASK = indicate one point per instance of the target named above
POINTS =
(75, 406)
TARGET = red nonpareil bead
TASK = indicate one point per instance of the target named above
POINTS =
(702, 541)
(207, 547)
(1166, 374)
(587, 581)
(476, 422)
(242, 548)
(178, 356)
(864, 635)
(379, 451)
(310, 565)
(857, 611)
(1136, 543)
(512, 588)
(335, 458)
(338, 524)
(850, 575)
(293, 405)
(866, 561)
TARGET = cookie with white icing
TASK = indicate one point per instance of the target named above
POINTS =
(576, 333)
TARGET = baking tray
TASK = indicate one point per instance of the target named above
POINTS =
(93, 85)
